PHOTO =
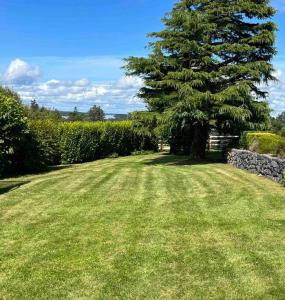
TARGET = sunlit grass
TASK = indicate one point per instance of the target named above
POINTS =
(143, 227)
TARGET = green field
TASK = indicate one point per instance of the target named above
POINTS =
(142, 227)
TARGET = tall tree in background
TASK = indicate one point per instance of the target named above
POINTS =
(96, 113)
(205, 69)
(34, 106)
(35, 112)
(75, 115)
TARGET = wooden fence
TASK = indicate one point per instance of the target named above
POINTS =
(215, 143)
(221, 142)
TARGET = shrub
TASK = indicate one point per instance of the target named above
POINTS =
(14, 134)
(263, 143)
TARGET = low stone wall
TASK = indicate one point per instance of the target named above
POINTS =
(265, 165)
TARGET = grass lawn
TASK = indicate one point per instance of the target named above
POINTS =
(142, 227)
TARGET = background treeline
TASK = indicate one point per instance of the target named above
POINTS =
(34, 111)
(32, 139)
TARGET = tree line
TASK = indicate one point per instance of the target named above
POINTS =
(35, 112)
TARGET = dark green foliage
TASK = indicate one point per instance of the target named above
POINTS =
(25, 146)
(14, 133)
(282, 132)
(264, 143)
(96, 113)
(205, 69)
(34, 107)
(2, 161)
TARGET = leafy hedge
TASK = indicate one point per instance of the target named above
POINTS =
(46, 143)
(88, 141)
(32, 145)
(264, 143)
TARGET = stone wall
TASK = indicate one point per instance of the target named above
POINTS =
(265, 165)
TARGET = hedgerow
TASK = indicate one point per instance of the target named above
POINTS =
(88, 141)
(32, 145)
(47, 141)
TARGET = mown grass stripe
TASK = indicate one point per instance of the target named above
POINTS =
(143, 227)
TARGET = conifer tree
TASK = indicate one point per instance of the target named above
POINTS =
(205, 69)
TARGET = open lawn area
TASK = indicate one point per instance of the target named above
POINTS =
(142, 227)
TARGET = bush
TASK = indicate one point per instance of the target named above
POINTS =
(14, 134)
(263, 143)
(282, 132)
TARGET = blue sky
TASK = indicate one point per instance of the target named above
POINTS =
(69, 53)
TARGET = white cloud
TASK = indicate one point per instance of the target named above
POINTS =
(20, 72)
(116, 97)
(82, 82)
(276, 93)
(129, 82)
(278, 74)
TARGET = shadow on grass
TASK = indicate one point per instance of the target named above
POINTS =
(7, 186)
(54, 168)
(16, 174)
(181, 160)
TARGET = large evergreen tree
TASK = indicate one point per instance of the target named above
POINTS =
(205, 69)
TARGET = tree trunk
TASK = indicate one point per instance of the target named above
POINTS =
(199, 144)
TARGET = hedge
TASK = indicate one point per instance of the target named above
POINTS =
(78, 142)
(46, 135)
(88, 141)
(264, 143)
